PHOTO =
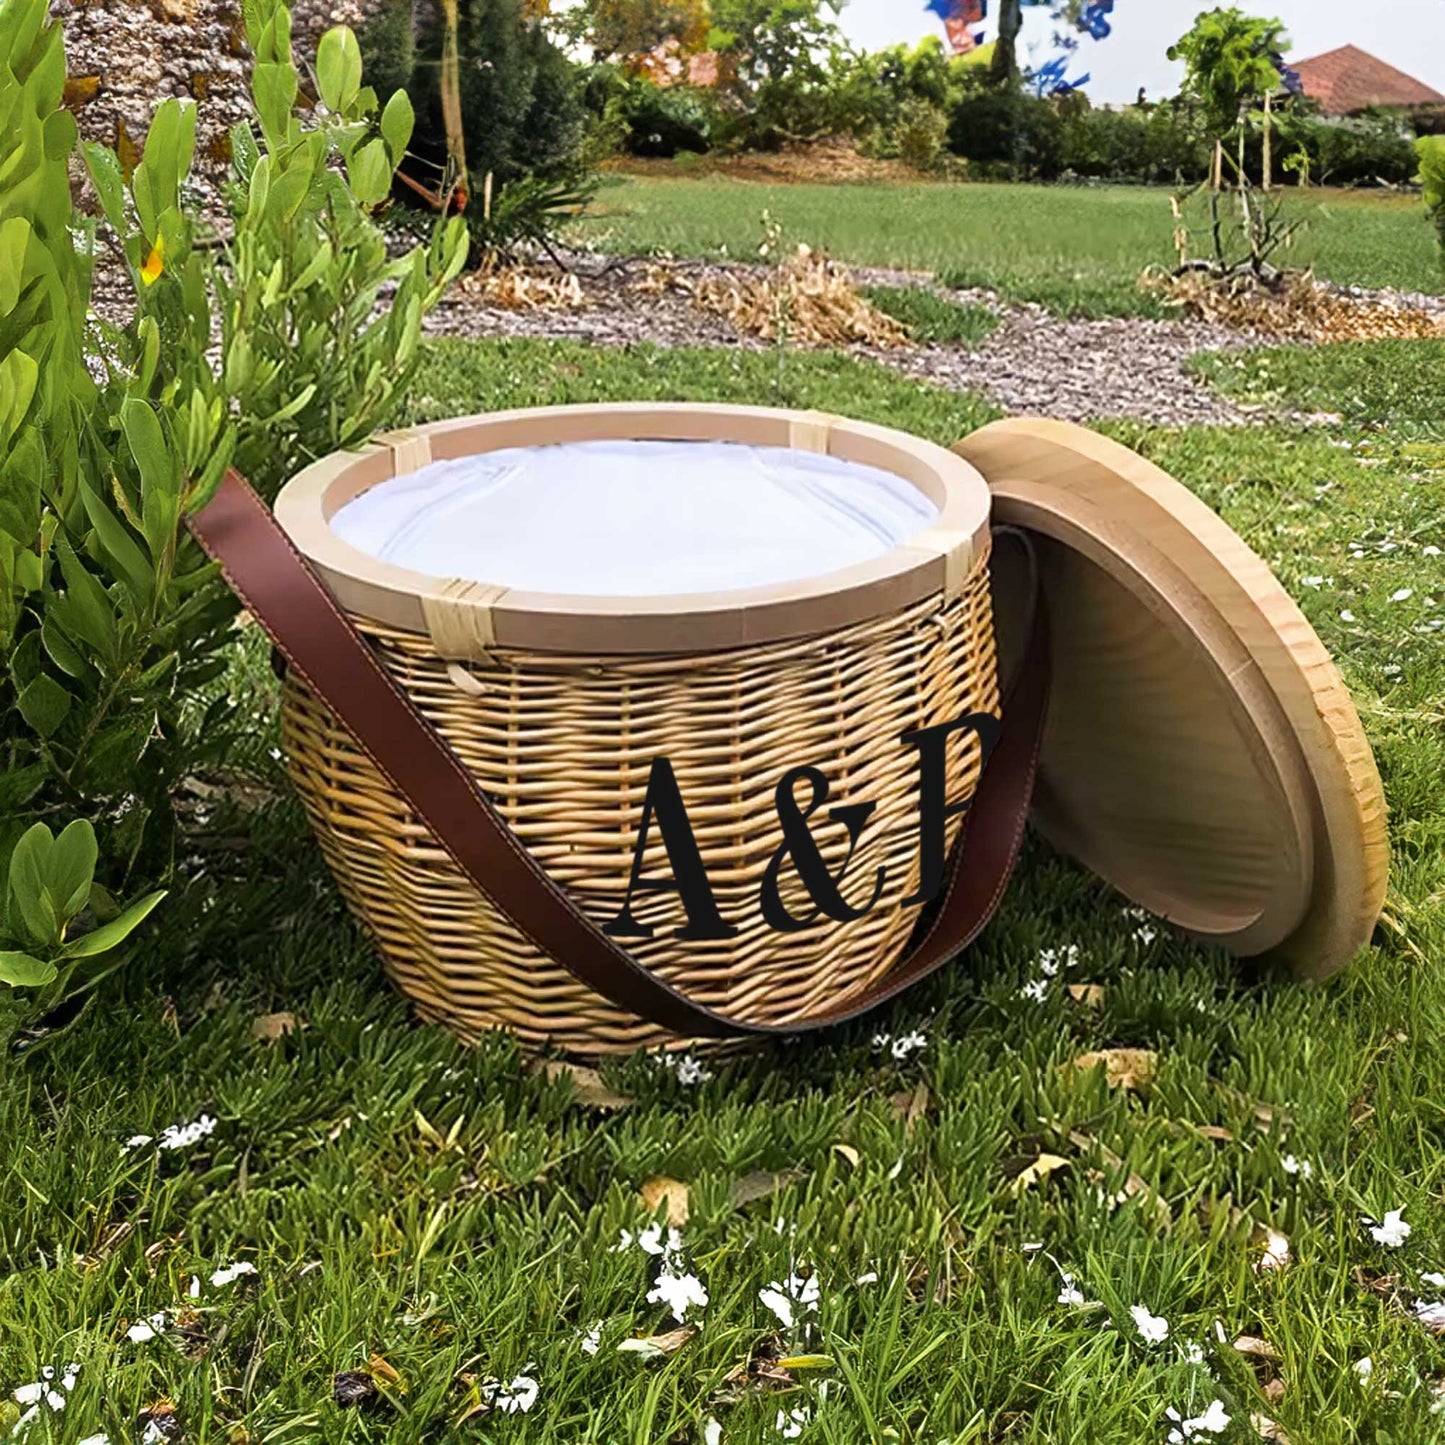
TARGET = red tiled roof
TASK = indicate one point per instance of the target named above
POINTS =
(1349, 79)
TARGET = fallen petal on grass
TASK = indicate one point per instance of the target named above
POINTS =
(1132, 1069)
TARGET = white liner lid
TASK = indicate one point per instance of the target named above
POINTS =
(635, 518)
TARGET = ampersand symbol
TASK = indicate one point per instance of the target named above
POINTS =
(798, 844)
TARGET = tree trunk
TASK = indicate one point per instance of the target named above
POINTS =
(1268, 142)
(455, 185)
(1005, 67)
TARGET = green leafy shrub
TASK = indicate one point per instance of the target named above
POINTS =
(266, 354)
(1353, 151)
(922, 130)
(661, 121)
(60, 932)
(1153, 146)
(522, 113)
(1431, 152)
(1007, 133)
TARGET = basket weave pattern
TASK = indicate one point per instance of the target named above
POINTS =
(563, 747)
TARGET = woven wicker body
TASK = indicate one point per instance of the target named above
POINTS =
(563, 744)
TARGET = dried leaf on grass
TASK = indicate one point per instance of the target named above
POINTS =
(1268, 1429)
(848, 1152)
(1292, 307)
(1214, 1133)
(587, 1086)
(670, 1192)
(1123, 1068)
(1266, 1116)
(383, 1369)
(1253, 1347)
(1037, 1171)
(761, 1184)
(520, 287)
(1089, 995)
(1135, 1187)
(270, 1027)
(655, 1347)
(911, 1105)
(809, 298)
(767, 1369)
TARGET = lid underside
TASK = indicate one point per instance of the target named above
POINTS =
(1202, 754)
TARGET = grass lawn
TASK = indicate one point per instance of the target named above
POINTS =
(455, 1217)
(1073, 248)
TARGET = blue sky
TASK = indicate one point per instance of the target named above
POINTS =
(1407, 33)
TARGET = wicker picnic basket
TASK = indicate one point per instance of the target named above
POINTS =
(557, 705)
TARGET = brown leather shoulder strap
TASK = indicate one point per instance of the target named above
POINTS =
(287, 598)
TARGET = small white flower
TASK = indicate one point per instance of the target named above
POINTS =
(1437, 1281)
(685, 1068)
(668, 1247)
(136, 1141)
(792, 1298)
(55, 1399)
(1392, 669)
(591, 1340)
(1038, 990)
(183, 1136)
(229, 1274)
(96, 1440)
(516, 1397)
(780, 1305)
(195, 1287)
(1192, 1353)
(1391, 1231)
(29, 1394)
(1347, 615)
(1153, 1329)
(909, 1044)
(1302, 1167)
(1051, 960)
(1402, 594)
(867, 1277)
(1314, 582)
(1145, 935)
(791, 1422)
(712, 1433)
(1430, 551)
(145, 1330)
(1364, 1369)
(679, 1292)
(1071, 1294)
(1430, 1313)
(1214, 1421)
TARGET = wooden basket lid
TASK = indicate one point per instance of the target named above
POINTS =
(1202, 752)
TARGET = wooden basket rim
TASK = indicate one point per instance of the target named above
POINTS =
(940, 559)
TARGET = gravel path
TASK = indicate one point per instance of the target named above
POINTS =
(1033, 362)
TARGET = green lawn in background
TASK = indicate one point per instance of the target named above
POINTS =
(1076, 249)
(455, 1215)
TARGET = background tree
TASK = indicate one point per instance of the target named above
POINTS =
(1004, 68)
(1232, 61)
(624, 29)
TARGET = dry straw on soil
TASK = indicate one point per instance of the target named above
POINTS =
(523, 287)
(1293, 308)
(808, 299)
